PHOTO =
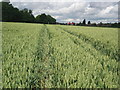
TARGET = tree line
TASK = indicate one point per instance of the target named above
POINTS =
(12, 14)
(100, 24)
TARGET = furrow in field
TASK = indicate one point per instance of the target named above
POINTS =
(89, 48)
(42, 67)
(98, 45)
(78, 62)
(41, 57)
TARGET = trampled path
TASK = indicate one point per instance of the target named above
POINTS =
(98, 45)
(79, 56)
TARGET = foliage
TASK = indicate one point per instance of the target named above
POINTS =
(7, 12)
(46, 19)
(12, 14)
(89, 22)
(84, 22)
(27, 15)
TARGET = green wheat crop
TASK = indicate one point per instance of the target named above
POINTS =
(56, 56)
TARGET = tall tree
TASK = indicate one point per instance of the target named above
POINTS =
(12, 14)
(42, 18)
(45, 19)
(51, 20)
(89, 22)
(84, 22)
(9, 13)
(27, 15)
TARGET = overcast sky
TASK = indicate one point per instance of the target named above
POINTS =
(73, 10)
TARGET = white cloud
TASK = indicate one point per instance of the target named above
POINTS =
(76, 12)
(90, 10)
(67, 10)
(69, 20)
(62, 9)
(107, 10)
(57, 17)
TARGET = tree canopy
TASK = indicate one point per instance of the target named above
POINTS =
(89, 22)
(84, 22)
(46, 19)
(12, 14)
(9, 13)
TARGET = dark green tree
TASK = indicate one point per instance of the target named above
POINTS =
(79, 23)
(27, 15)
(45, 19)
(42, 18)
(9, 13)
(51, 20)
(89, 22)
(12, 14)
(84, 22)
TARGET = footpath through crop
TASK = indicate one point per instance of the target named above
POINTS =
(98, 45)
(74, 61)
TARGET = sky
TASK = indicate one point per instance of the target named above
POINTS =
(73, 10)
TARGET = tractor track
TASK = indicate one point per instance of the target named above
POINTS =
(42, 59)
(98, 45)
